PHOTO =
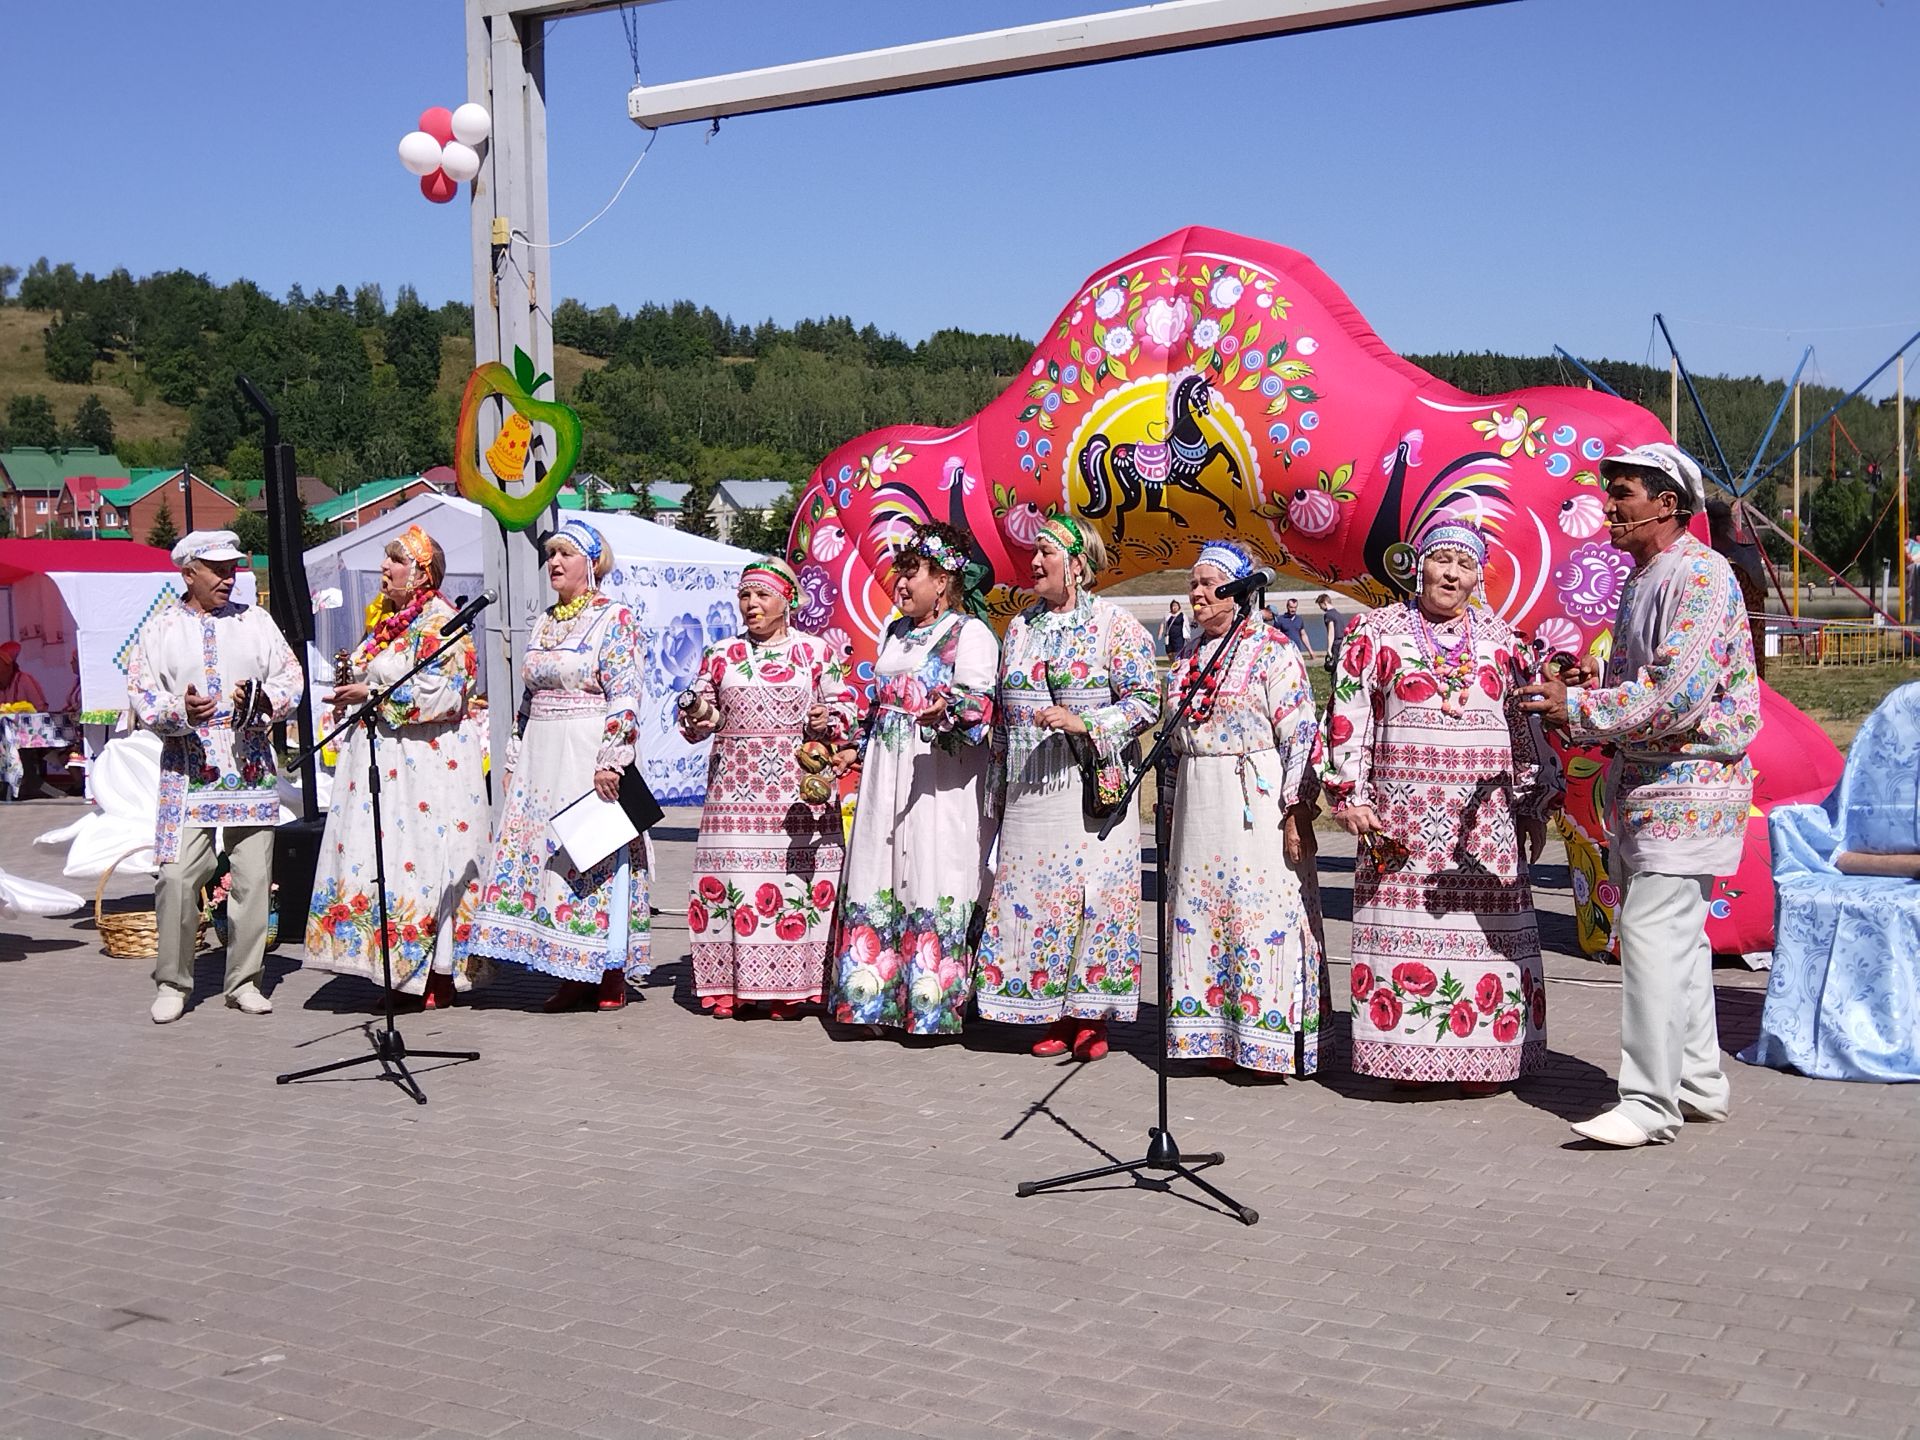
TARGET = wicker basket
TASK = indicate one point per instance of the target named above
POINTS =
(134, 935)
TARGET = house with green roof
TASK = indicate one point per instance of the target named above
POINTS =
(376, 497)
(33, 479)
(191, 501)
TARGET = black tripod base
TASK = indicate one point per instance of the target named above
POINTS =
(1162, 1154)
(390, 1054)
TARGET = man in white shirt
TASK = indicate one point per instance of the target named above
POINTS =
(209, 677)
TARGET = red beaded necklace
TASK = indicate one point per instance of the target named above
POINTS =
(1201, 692)
(391, 627)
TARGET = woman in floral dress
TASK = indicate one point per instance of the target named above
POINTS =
(1062, 941)
(433, 798)
(767, 867)
(1249, 969)
(577, 729)
(916, 862)
(1429, 761)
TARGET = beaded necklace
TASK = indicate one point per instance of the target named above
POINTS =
(1454, 665)
(557, 623)
(1202, 693)
(389, 626)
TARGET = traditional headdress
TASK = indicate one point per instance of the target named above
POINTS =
(419, 548)
(772, 574)
(1228, 556)
(1063, 532)
(938, 551)
(581, 537)
(1452, 535)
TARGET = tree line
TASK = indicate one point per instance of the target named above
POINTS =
(683, 393)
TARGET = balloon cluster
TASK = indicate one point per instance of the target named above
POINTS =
(445, 151)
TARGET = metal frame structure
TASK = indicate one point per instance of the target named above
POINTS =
(506, 72)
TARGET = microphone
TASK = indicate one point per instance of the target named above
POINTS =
(464, 617)
(1260, 578)
(1636, 524)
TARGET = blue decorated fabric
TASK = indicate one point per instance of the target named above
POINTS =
(1843, 1002)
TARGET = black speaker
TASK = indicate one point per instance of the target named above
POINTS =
(288, 597)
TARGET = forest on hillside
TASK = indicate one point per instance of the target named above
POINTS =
(677, 392)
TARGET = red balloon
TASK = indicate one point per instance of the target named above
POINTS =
(438, 188)
(438, 122)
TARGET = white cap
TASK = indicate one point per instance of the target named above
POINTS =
(1670, 460)
(208, 545)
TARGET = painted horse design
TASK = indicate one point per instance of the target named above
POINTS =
(1141, 471)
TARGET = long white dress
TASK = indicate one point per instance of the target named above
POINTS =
(916, 866)
(580, 714)
(434, 822)
(1248, 974)
(1063, 929)
(766, 870)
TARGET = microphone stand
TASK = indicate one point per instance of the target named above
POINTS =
(389, 1046)
(1163, 1151)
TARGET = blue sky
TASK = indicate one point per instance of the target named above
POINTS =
(1509, 178)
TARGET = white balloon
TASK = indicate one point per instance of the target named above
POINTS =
(472, 124)
(460, 162)
(419, 152)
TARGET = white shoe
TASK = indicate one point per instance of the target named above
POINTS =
(249, 1000)
(1691, 1111)
(169, 1005)
(1612, 1128)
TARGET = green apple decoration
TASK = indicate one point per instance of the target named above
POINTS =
(507, 456)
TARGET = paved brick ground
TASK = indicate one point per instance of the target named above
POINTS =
(658, 1224)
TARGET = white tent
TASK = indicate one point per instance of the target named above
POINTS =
(681, 587)
(77, 626)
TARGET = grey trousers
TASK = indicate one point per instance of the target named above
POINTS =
(176, 900)
(1669, 1037)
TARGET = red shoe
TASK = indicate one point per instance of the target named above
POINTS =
(571, 995)
(787, 1009)
(720, 1005)
(439, 992)
(612, 991)
(1057, 1041)
(1091, 1042)
(1476, 1089)
(1221, 1064)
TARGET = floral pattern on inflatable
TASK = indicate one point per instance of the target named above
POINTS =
(1209, 384)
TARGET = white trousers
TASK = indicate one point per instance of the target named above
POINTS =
(1669, 1036)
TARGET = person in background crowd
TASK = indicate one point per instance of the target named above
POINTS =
(1430, 764)
(1732, 541)
(210, 677)
(1173, 629)
(577, 729)
(1330, 617)
(433, 799)
(1294, 627)
(1077, 687)
(15, 684)
(766, 870)
(1678, 705)
(1248, 981)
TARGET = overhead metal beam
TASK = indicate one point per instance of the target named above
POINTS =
(1020, 50)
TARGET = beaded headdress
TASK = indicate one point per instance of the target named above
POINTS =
(1063, 532)
(1226, 556)
(419, 548)
(580, 536)
(772, 574)
(1454, 536)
